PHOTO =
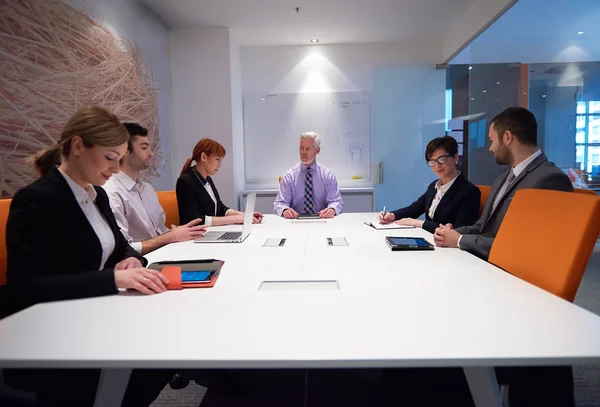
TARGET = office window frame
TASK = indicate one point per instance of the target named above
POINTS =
(587, 117)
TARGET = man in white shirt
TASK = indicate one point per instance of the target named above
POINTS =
(135, 204)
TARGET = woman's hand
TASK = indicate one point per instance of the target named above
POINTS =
(144, 280)
(257, 217)
(410, 222)
(386, 218)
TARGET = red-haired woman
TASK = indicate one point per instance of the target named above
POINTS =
(197, 196)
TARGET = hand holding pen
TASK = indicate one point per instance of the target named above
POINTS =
(385, 217)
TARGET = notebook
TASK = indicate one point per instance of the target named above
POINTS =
(376, 225)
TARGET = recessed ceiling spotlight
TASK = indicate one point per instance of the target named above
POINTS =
(579, 32)
(543, 96)
(497, 83)
(484, 91)
(470, 68)
(314, 40)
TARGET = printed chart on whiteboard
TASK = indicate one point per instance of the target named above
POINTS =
(273, 124)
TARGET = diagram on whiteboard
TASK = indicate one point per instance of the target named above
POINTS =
(355, 154)
(273, 124)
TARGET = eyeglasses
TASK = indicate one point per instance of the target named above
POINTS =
(441, 160)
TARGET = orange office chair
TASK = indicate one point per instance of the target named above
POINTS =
(547, 238)
(485, 192)
(168, 201)
(585, 191)
(4, 209)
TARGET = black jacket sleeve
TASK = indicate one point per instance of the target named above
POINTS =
(430, 226)
(186, 201)
(468, 208)
(31, 261)
(414, 210)
(221, 207)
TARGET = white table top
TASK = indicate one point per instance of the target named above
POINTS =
(393, 309)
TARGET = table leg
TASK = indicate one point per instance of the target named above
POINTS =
(111, 387)
(484, 386)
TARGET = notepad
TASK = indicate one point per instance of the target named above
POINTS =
(376, 225)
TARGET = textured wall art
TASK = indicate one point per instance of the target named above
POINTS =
(54, 59)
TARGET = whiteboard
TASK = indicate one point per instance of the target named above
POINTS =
(273, 124)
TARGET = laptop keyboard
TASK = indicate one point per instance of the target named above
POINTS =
(230, 236)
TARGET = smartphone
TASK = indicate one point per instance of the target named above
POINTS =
(197, 276)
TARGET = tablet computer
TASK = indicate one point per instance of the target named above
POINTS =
(198, 276)
(407, 243)
(308, 216)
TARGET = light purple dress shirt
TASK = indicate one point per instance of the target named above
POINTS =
(326, 193)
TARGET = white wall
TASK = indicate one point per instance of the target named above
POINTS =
(327, 68)
(130, 20)
(201, 91)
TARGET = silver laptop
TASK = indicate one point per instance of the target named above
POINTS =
(233, 237)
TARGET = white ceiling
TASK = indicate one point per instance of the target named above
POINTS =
(275, 22)
(535, 31)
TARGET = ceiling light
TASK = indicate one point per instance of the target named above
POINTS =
(472, 98)
(580, 33)
(470, 68)
(314, 40)
(497, 83)
(484, 91)
(543, 96)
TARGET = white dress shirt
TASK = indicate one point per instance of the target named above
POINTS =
(208, 219)
(136, 208)
(440, 192)
(86, 199)
(211, 193)
(517, 170)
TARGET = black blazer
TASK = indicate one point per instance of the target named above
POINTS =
(53, 251)
(193, 200)
(459, 205)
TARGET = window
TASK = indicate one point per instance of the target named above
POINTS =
(587, 137)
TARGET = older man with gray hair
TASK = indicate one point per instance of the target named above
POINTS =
(308, 187)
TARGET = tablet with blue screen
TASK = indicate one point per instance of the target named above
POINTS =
(397, 243)
(197, 276)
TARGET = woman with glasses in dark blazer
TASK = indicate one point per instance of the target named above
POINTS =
(449, 199)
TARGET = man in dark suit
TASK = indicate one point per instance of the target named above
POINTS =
(513, 134)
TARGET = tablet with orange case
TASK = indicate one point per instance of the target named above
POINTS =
(172, 270)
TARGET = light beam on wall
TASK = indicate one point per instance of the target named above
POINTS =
(572, 76)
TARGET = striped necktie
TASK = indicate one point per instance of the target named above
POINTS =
(308, 193)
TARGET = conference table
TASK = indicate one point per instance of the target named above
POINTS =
(310, 305)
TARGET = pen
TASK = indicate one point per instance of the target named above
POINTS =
(384, 212)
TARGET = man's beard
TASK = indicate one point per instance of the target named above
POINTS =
(143, 165)
(503, 156)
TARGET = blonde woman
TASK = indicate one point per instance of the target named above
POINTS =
(63, 243)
